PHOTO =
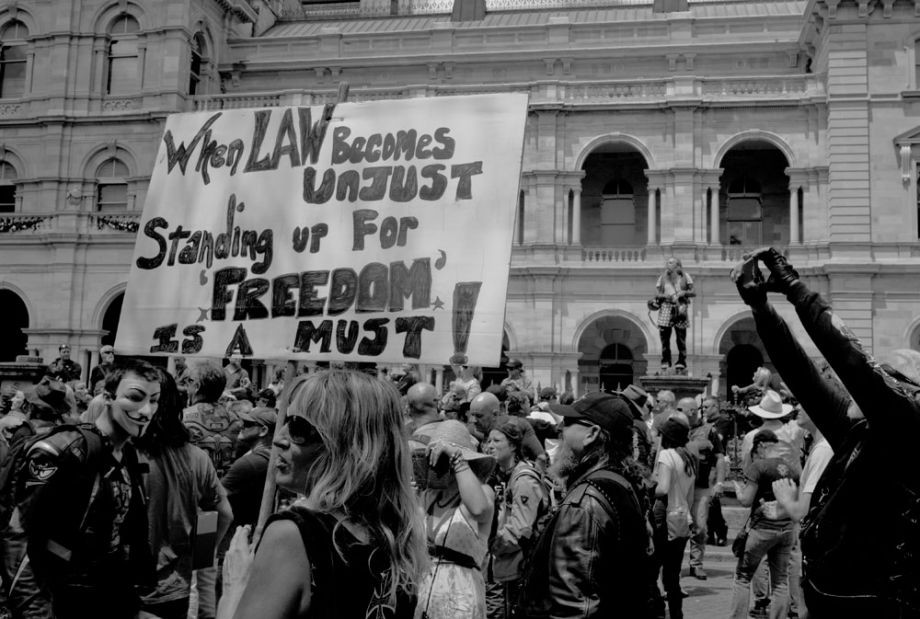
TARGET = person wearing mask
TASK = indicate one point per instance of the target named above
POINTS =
(675, 469)
(92, 560)
(523, 499)
(770, 532)
(355, 545)
(181, 483)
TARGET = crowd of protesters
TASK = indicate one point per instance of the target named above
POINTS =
(139, 494)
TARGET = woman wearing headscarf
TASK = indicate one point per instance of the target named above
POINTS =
(523, 499)
(675, 470)
(354, 546)
(458, 505)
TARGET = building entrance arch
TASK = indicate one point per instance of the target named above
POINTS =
(14, 317)
(613, 349)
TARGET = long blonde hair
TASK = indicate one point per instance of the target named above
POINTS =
(365, 470)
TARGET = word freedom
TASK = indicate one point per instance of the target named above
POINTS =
(301, 140)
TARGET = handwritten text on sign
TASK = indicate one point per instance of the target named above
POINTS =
(376, 232)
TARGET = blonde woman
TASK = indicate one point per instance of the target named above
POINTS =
(354, 547)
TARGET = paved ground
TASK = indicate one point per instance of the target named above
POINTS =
(711, 599)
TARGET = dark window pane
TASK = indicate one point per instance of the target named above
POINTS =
(112, 197)
(122, 76)
(7, 198)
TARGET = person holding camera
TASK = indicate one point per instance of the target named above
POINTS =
(860, 538)
(458, 506)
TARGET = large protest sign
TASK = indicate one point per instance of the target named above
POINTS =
(365, 232)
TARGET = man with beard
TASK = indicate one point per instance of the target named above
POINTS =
(83, 508)
(590, 560)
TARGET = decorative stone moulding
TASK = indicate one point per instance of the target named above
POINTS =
(120, 105)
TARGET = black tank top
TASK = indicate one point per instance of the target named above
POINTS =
(350, 585)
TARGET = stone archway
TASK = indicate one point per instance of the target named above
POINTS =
(614, 199)
(754, 196)
(613, 349)
(14, 317)
(742, 353)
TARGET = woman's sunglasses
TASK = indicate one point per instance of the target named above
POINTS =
(301, 431)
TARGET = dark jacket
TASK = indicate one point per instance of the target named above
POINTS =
(589, 561)
(68, 509)
(861, 538)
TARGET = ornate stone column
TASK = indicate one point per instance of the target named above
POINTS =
(657, 180)
(571, 181)
(710, 183)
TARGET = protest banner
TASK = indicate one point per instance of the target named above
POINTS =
(373, 231)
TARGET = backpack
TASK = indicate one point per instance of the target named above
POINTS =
(10, 465)
(548, 504)
(216, 435)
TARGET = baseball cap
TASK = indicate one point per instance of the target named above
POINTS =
(610, 412)
(547, 392)
(107, 348)
(514, 364)
(263, 415)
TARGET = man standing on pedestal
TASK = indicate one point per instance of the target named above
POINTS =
(673, 292)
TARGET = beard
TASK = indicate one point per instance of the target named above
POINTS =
(566, 463)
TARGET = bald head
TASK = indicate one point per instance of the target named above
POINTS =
(689, 407)
(483, 410)
(422, 399)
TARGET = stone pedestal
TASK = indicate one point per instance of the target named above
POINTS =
(682, 386)
(22, 374)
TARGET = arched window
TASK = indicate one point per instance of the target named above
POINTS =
(13, 59)
(112, 192)
(744, 214)
(7, 187)
(618, 214)
(197, 65)
(122, 56)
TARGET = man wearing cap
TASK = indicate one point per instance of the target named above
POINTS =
(860, 539)
(106, 361)
(591, 559)
(64, 368)
(245, 479)
(517, 380)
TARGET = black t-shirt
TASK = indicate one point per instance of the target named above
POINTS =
(764, 472)
(349, 585)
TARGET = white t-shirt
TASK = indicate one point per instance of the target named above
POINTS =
(681, 483)
(818, 458)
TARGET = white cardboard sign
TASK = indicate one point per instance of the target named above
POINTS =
(365, 232)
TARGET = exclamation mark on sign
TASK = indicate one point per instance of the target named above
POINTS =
(465, 296)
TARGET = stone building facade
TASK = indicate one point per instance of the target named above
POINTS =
(697, 131)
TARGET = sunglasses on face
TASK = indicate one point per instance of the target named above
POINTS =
(301, 431)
